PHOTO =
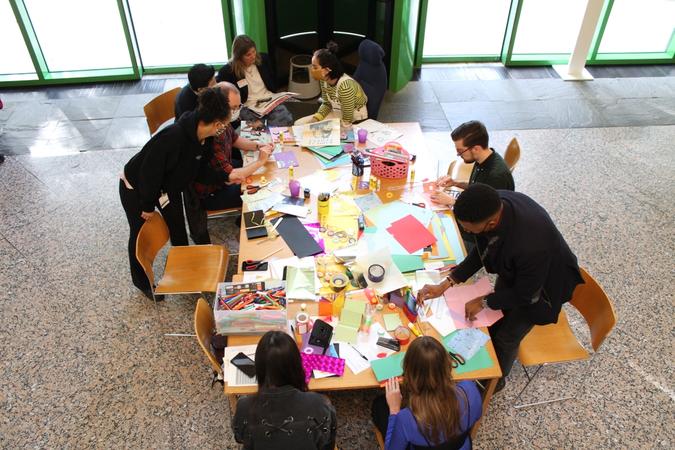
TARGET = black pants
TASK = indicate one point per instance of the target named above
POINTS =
(173, 216)
(380, 414)
(506, 335)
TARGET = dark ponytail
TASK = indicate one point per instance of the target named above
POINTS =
(328, 58)
(213, 105)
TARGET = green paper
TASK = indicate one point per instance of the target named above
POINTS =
(300, 283)
(354, 305)
(391, 321)
(391, 366)
(408, 263)
(350, 318)
(344, 333)
(481, 360)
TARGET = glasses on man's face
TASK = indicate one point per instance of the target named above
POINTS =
(464, 150)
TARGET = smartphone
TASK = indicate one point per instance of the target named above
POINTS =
(245, 364)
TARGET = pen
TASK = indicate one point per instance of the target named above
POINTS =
(360, 354)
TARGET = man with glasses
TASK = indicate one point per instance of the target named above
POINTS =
(209, 197)
(537, 272)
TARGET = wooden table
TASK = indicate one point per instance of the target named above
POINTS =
(425, 168)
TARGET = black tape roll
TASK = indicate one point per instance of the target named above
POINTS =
(376, 273)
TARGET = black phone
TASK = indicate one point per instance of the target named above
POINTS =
(245, 364)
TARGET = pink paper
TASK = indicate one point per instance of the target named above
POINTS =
(323, 363)
(457, 297)
(411, 234)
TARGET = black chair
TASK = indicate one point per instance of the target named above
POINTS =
(372, 75)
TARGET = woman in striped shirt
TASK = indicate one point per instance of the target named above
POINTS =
(342, 96)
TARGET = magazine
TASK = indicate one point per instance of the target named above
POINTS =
(264, 106)
(326, 132)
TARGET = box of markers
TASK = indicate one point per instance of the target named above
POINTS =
(250, 308)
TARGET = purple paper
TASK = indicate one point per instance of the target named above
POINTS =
(286, 159)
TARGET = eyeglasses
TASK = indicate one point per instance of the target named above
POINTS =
(461, 152)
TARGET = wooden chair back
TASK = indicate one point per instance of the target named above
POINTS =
(160, 109)
(204, 326)
(512, 154)
(153, 236)
(594, 305)
(451, 167)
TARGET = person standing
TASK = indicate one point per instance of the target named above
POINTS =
(165, 166)
(537, 272)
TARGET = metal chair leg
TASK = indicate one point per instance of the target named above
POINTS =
(529, 380)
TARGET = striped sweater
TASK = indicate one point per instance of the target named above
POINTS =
(350, 95)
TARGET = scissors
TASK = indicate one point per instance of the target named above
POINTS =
(250, 264)
(456, 359)
(253, 188)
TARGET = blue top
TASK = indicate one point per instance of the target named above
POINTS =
(402, 429)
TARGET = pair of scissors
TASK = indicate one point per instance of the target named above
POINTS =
(251, 265)
(456, 359)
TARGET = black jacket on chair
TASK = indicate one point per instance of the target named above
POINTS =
(266, 73)
(537, 270)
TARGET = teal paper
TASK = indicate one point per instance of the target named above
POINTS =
(480, 360)
(391, 366)
(386, 214)
(408, 263)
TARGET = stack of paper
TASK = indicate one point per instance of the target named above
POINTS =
(350, 322)
(326, 132)
(379, 133)
(411, 234)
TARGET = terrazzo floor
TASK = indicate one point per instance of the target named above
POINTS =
(85, 363)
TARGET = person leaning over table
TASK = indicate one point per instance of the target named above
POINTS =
(200, 77)
(216, 196)
(282, 414)
(342, 96)
(252, 73)
(537, 272)
(167, 163)
(439, 412)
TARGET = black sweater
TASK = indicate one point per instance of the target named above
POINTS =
(265, 68)
(186, 100)
(170, 161)
(537, 270)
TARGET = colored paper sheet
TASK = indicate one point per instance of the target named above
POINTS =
(327, 152)
(345, 333)
(368, 201)
(388, 213)
(379, 237)
(350, 318)
(454, 238)
(466, 342)
(298, 238)
(456, 298)
(300, 283)
(391, 366)
(391, 321)
(481, 360)
(285, 160)
(343, 205)
(411, 234)
(408, 263)
(357, 306)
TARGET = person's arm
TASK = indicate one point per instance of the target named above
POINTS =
(397, 436)
(501, 181)
(326, 106)
(346, 95)
(531, 269)
(460, 184)
(468, 267)
(475, 403)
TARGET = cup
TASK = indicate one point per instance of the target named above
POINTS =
(294, 187)
(362, 135)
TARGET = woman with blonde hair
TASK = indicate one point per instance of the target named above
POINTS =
(252, 73)
(439, 413)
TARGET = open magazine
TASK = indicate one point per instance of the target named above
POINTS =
(263, 106)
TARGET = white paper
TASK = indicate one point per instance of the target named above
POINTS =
(439, 316)
(378, 133)
(232, 375)
(294, 210)
(256, 275)
(423, 277)
(393, 278)
(352, 358)
(367, 342)
(276, 266)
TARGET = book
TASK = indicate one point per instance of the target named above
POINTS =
(264, 106)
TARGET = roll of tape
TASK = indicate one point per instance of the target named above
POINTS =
(302, 323)
(339, 281)
(308, 350)
(376, 273)
(402, 335)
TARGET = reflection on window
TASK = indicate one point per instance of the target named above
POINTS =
(179, 32)
(79, 34)
(639, 26)
(465, 27)
(549, 26)
(15, 57)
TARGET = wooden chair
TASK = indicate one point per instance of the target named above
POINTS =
(379, 437)
(189, 269)
(512, 154)
(160, 109)
(204, 327)
(556, 343)
(451, 167)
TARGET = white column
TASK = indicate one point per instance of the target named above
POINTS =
(575, 69)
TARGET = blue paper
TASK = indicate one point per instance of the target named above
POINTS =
(453, 238)
(466, 341)
(386, 214)
(380, 237)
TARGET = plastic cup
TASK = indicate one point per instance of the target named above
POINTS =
(362, 135)
(294, 187)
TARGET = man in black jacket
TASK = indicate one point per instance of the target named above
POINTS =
(200, 76)
(537, 272)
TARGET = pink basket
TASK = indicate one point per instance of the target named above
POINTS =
(385, 167)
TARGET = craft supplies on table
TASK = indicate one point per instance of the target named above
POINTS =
(249, 308)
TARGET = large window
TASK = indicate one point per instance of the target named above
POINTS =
(179, 32)
(465, 27)
(15, 57)
(79, 34)
(639, 26)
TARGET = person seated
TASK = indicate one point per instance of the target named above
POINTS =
(211, 197)
(252, 73)
(440, 412)
(200, 76)
(283, 415)
(342, 96)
